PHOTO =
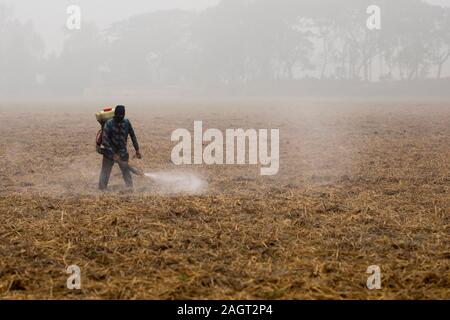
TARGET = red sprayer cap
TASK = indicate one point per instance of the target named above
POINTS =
(107, 109)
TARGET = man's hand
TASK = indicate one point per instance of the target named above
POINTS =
(116, 157)
(138, 154)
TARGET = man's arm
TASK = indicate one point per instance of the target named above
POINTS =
(133, 137)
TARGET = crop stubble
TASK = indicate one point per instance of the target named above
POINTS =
(360, 183)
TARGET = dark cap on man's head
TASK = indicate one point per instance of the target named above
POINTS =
(119, 111)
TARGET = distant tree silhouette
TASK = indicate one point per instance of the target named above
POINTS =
(79, 63)
(236, 46)
(152, 48)
(439, 41)
(21, 54)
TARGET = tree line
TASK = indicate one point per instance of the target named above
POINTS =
(236, 44)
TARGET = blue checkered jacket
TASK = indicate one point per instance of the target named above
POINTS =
(115, 138)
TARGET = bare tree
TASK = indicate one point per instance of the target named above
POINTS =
(439, 42)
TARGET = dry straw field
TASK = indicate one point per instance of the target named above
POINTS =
(360, 183)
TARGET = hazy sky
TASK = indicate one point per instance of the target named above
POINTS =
(49, 16)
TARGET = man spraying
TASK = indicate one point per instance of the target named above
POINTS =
(114, 145)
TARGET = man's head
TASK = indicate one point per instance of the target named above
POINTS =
(119, 113)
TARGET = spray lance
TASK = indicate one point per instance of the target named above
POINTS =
(133, 170)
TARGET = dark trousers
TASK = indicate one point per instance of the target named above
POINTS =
(106, 172)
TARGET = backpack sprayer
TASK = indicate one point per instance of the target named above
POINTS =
(102, 117)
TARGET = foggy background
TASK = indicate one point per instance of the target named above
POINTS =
(231, 47)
